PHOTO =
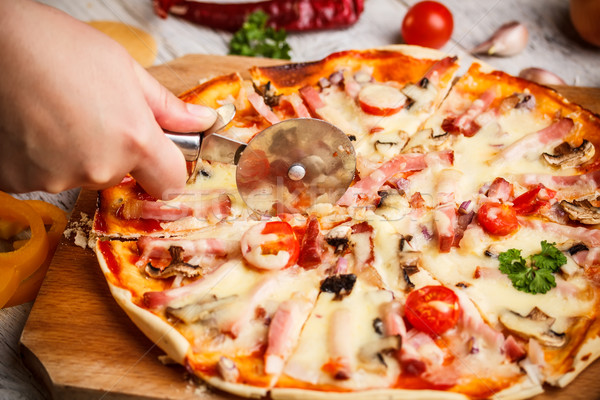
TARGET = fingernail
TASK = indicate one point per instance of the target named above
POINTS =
(201, 111)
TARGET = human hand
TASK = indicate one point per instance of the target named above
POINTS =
(77, 110)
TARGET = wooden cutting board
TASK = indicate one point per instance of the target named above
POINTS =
(83, 346)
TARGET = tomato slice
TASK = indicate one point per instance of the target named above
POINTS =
(428, 23)
(498, 219)
(432, 309)
(533, 200)
(270, 245)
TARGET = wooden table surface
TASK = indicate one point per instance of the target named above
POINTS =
(553, 45)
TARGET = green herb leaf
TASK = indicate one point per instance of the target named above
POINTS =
(550, 258)
(542, 281)
(511, 261)
(256, 39)
(538, 276)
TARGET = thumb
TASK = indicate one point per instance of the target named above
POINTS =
(170, 112)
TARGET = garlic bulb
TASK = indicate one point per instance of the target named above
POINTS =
(510, 39)
(541, 76)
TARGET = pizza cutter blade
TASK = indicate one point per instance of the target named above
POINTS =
(295, 164)
(287, 167)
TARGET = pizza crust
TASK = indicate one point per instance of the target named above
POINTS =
(236, 388)
(383, 394)
(587, 354)
(157, 330)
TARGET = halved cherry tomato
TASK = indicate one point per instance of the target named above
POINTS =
(432, 309)
(498, 219)
(428, 24)
(377, 99)
(270, 245)
(533, 200)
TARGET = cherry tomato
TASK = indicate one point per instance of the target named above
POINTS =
(270, 245)
(427, 23)
(498, 219)
(432, 309)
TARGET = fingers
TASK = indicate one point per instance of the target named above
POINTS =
(170, 112)
(162, 172)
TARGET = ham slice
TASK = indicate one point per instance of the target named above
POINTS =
(536, 142)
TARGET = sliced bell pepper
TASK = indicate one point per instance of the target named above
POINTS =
(57, 219)
(17, 265)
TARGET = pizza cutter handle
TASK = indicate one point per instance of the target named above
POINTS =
(188, 143)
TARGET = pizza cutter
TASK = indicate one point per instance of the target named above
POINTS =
(288, 167)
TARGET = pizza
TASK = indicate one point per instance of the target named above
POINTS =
(463, 261)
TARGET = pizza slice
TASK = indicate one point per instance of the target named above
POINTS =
(378, 97)
(228, 301)
(484, 212)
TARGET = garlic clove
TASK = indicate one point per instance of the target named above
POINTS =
(541, 76)
(510, 39)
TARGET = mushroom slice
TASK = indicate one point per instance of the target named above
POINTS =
(390, 144)
(422, 94)
(582, 211)
(374, 350)
(198, 311)
(566, 156)
(535, 325)
(181, 268)
(339, 238)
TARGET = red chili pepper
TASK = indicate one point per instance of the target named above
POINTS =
(292, 15)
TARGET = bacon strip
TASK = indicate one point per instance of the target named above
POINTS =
(369, 185)
(258, 102)
(284, 332)
(536, 142)
(444, 215)
(310, 95)
(591, 237)
(158, 248)
(566, 186)
(219, 207)
(258, 293)
(439, 68)
(311, 249)
(340, 344)
(465, 123)
(500, 190)
(195, 291)
(298, 106)
(392, 319)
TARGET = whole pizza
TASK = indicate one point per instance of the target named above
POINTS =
(461, 263)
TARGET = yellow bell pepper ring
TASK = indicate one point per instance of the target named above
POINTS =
(57, 220)
(21, 263)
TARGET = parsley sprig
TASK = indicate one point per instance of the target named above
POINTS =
(256, 39)
(537, 276)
